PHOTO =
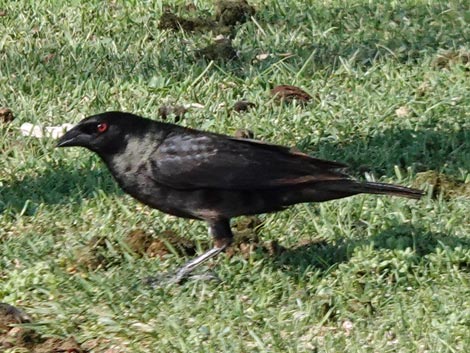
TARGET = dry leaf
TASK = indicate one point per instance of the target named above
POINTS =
(287, 93)
(6, 115)
(402, 112)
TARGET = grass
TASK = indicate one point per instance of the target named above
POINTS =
(364, 274)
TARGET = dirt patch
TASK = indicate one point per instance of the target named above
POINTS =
(228, 15)
(171, 21)
(163, 244)
(174, 112)
(26, 339)
(448, 58)
(233, 12)
(105, 345)
(20, 337)
(288, 94)
(89, 257)
(246, 239)
(69, 345)
(442, 184)
(169, 242)
(243, 106)
(138, 241)
(221, 49)
(10, 315)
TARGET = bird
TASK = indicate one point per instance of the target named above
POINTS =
(212, 177)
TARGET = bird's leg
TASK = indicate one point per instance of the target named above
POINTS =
(222, 234)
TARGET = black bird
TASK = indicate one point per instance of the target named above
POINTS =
(202, 175)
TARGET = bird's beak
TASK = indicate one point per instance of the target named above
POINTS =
(73, 137)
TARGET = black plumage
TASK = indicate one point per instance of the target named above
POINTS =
(212, 177)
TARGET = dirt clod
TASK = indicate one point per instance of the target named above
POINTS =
(233, 12)
(89, 256)
(166, 111)
(246, 239)
(243, 106)
(168, 241)
(446, 59)
(6, 116)
(10, 315)
(138, 241)
(69, 345)
(221, 49)
(249, 223)
(228, 15)
(244, 134)
(163, 244)
(173, 22)
(274, 248)
(20, 337)
(24, 339)
(442, 184)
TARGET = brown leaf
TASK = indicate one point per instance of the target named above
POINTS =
(287, 93)
(6, 115)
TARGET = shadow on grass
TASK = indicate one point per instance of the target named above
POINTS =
(327, 36)
(369, 31)
(359, 33)
(427, 149)
(323, 255)
(61, 184)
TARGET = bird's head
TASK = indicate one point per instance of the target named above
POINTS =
(104, 133)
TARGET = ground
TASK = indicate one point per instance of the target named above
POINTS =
(388, 93)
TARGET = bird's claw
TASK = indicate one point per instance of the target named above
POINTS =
(179, 277)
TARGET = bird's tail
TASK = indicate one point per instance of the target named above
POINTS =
(356, 187)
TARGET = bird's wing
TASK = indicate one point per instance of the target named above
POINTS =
(198, 160)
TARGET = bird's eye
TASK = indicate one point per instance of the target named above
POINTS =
(102, 127)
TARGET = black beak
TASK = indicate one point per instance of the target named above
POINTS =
(73, 137)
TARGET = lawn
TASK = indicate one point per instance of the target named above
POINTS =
(390, 87)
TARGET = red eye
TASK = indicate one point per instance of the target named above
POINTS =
(102, 127)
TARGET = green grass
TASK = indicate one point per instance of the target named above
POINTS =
(371, 274)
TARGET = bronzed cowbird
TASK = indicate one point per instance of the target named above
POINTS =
(202, 175)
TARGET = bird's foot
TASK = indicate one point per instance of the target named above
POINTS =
(185, 272)
(170, 278)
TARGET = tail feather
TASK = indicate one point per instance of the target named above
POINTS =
(379, 188)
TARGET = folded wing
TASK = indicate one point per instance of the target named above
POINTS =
(198, 160)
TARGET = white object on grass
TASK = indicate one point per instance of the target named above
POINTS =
(39, 131)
